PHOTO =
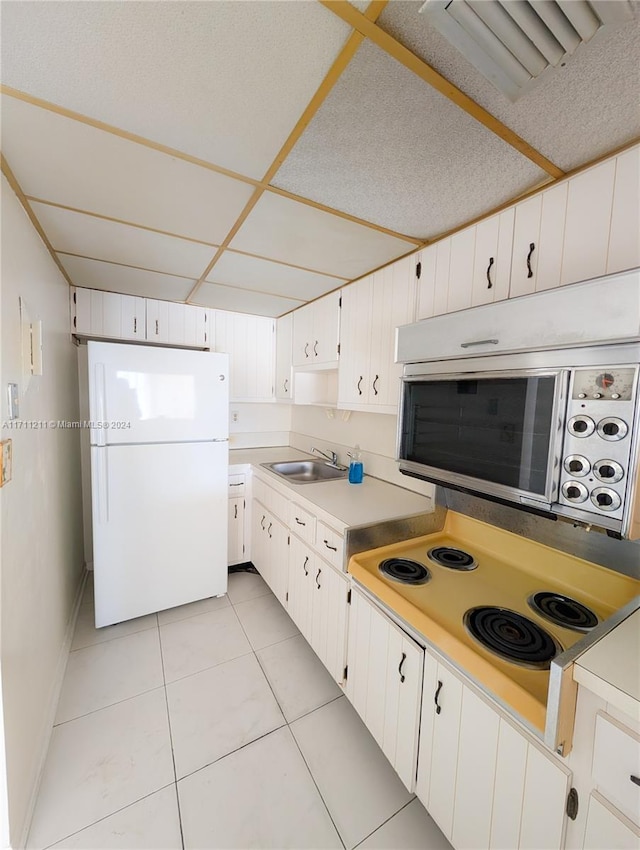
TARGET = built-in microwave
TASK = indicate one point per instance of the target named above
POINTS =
(552, 431)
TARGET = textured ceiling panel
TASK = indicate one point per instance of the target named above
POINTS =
(285, 230)
(242, 301)
(68, 162)
(387, 147)
(584, 111)
(76, 233)
(225, 81)
(93, 274)
(266, 276)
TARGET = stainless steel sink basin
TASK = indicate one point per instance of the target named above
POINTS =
(306, 471)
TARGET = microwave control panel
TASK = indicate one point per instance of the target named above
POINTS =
(597, 441)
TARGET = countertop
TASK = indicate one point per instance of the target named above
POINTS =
(611, 668)
(349, 505)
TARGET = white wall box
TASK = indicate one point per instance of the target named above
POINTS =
(316, 329)
(284, 351)
(250, 342)
(384, 678)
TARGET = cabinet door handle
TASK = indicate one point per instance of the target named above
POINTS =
(532, 248)
(299, 521)
(269, 529)
(240, 484)
(333, 548)
(315, 348)
(403, 659)
(635, 779)
(317, 577)
(489, 282)
(435, 699)
(157, 328)
(262, 521)
(135, 325)
(304, 566)
(286, 385)
(235, 512)
(479, 342)
(359, 382)
(375, 381)
(306, 349)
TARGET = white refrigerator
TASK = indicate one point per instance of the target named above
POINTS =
(159, 471)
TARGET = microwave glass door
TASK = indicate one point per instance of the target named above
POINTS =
(494, 429)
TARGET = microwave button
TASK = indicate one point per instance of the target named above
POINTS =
(582, 426)
(582, 395)
(574, 491)
(615, 395)
(608, 470)
(612, 428)
(597, 395)
(605, 499)
(577, 465)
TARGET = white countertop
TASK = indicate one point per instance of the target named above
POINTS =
(348, 504)
(611, 668)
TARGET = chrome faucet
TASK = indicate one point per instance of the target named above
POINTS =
(331, 457)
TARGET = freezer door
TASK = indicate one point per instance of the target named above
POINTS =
(145, 394)
(159, 527)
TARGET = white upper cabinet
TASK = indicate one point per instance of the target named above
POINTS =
(316, 331)
(624, 240)
(108, 314)
(372, 309)
(250, 343)
(284, 342)
(177, 324)
(536, 259)
(461, 270)
(492, 258)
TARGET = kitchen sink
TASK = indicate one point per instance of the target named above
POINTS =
(306, 471)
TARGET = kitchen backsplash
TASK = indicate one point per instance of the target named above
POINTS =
(255, 425)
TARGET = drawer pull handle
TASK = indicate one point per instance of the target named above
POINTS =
(269, 529)
(404, 658)
(479, 342)
(157, 328)
(333, 548)
(240, 484)
(262, 521)
(532, 248)
(435, 699)
(635, 779)
(235, 512)
(299, 521)
(375, 381)
(304, 566)
(317, 577)
(489, 282)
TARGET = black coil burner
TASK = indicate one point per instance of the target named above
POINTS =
(563, 611)
(455, 559)
(511, 636)
(405, 571)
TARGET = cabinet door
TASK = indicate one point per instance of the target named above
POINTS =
(353, 371)
(278, 557)
(546, 786)
(187, 325)
(325, 328)
(332, 648)
(426, 260)
(302, 336)
(132, 317)
(441, 281)
(301, 572)
(606, 831)
(259, 552)
(249, 341)
(284, 341)
(508, 792)
(461, 261)
(586, 237)
(551, 239)
(492, 259)
(88, 315)
(624, 240)
(157, 320)
(526, 247)
(236, 531)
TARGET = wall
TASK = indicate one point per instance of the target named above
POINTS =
(340, 430)
(40, 507)
(257, 425)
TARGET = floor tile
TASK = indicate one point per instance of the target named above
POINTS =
(86, 633)
(151, 824)
(411, 829)
(194, 644)
(109, 672)
(220, 710)
(101, 763)
(244, 586)
(265, 621)
(261, 796)
(359, 786)
(202, 606)
(299, 679)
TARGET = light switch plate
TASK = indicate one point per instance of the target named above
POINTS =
(5, 474)
(13, 401)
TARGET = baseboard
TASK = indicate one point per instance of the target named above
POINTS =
(52, 708)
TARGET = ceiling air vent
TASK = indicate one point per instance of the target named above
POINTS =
(516, 43)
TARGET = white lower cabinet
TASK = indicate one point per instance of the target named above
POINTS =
(384, 682)
(485, 783)
(606, 830)
(269, 550)
(235, 554)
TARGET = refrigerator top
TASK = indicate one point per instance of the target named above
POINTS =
(143, 394)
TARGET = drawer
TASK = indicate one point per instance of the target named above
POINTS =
(616, 758)
(302, 523)
(236, 485)
(330, 544)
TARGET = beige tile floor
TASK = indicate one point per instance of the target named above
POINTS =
(214, 725)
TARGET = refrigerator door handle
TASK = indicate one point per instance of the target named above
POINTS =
(102, 486)
(100, 399)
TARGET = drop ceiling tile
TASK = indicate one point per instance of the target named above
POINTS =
(243, 301)
(70, 163)
(387, 147)
(286, 230)
(94, 274)
(266, 276)
(99, 239)
(224, 81)
(584, 111)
